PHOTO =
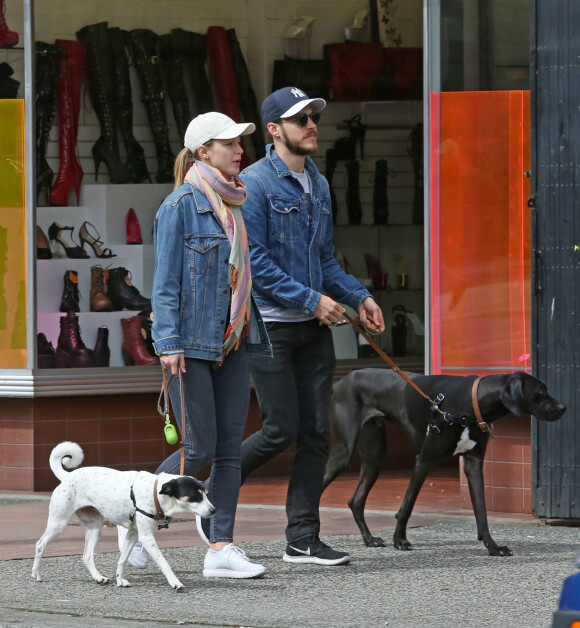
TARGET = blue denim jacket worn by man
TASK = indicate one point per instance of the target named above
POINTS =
(292, 252)
(299, 288)
(189, 293)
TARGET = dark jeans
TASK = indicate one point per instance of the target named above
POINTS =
(294, 389)
(216, 407)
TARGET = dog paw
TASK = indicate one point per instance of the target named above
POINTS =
(122, 582)
(37, 577)
(176, 585)
(103, 580)
(374, 541)
(499, 550)
(402, 544)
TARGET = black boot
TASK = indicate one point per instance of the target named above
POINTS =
(101, 74)
(47, 61)
(172, 69)
(193, 48)
(353, 206)
(123, 293)
(135, 159)
(45, 352)
(415, 149)
(146, 325)
(102, 351)
(380, 200)
(8, 86)
(248, 103)
(331, 161)
(70, 294)
(143, 47)
(71, 351)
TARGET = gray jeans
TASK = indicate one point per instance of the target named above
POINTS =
(216, 407)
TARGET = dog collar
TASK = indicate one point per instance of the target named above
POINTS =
(481, 423)
(162, 520)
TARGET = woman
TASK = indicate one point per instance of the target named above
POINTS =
(205, 321)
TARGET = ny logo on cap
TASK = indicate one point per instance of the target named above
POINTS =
(298, 93)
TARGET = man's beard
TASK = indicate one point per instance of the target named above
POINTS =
(294, 147)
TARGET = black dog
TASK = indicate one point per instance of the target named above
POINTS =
(363, 399)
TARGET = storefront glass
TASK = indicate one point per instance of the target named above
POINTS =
(12, 236)
(479, 155)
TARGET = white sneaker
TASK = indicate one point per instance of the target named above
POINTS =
(230, 562)
(200, 531)
(138, 557)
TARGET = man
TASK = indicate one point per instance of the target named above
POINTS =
(296, 280)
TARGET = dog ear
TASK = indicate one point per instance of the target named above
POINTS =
(512, 395)
(169, 488)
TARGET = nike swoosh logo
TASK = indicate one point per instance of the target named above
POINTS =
(307, 552)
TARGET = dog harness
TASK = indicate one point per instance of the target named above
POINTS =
(162, 520)
(441, 419)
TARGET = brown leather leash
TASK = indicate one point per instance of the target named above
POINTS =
(361, 329)
(165, 412)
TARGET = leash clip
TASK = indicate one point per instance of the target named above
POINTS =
(163, 523)
(439, 398)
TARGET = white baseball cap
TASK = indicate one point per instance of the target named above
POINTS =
(214, 126)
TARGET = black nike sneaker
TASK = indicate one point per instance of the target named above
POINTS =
(313, 550)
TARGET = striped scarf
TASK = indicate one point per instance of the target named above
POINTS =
(225, 196)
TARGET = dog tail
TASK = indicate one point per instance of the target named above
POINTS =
(65, 457)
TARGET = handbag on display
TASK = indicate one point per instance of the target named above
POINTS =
(133, 228)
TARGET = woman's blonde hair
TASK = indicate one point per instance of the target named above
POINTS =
(183, 163)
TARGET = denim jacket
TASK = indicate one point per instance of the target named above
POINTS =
(191, 295)
(290, 235)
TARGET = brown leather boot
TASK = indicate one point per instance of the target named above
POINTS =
(133, 349)
(100, 302)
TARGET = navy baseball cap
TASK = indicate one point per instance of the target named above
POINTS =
(287, 102)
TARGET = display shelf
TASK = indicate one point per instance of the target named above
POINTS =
(105, 207)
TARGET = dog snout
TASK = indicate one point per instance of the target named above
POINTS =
(553, 413)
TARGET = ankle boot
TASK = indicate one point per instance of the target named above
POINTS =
(123, 293)
(70, 74)
(143, 47)
(192, 47)
(172, 69)
(380, 200)
(70, 350)
(47, 60)
(8, 38)
(415, 149)
(353, 206)
(46, 355)
(101, 75)
(331, 162)
(8, 86)
(248, 102)
(100, 302)
(146, 325)
(70, 294)
(135, 155)
(102, 351)
(133, 349)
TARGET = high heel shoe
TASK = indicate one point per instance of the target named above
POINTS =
(118, 172)
(55, 235)
(375, 272)
(95, 243)
(42, 245)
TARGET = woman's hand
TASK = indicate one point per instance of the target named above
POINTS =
(174, 362)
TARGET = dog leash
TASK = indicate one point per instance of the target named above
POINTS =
(169, 429)
(446, 416)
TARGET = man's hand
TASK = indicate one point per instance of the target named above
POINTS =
(371, 316)
(328, 310)
(173, 362)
